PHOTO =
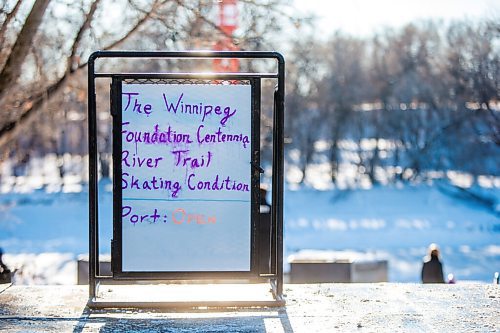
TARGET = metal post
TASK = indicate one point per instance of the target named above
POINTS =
(93, 196)
(278, 169)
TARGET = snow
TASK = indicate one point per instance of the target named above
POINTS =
(44, 224)
(396, 224)
(43, 268)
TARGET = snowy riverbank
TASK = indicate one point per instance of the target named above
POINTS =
(43, 233)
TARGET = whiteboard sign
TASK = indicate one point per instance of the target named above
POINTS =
(186, 177)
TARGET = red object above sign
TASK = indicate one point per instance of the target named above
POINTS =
(228, 16)
(228, 23)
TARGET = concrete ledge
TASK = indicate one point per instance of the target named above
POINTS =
(326, 271)
(83, 268)
(381, 307)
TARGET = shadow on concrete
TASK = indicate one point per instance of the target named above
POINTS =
(199, 320)
(37, 324)
(285, 321)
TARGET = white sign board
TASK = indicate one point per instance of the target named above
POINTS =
(186, 177)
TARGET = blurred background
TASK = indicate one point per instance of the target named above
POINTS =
(392, 124)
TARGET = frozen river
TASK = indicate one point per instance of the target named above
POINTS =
(396, 224)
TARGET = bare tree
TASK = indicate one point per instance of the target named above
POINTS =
(341, 90)
(64, 40)
(474, 64)
(20, 111)
(304, 119)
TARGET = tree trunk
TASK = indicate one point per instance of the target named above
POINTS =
(374, 162)
(334, 161)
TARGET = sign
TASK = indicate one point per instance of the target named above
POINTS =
(186, 177)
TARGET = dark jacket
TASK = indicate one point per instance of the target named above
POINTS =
(432, 271)
(5, 276)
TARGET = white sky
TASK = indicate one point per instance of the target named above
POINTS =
(363, 17)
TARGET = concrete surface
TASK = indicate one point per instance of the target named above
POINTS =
(383, 307)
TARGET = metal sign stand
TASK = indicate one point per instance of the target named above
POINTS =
(274, 275)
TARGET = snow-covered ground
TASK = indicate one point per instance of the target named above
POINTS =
(43, 233)
(396, 224)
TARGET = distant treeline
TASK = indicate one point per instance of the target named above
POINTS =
(420, 100)
(408, 102)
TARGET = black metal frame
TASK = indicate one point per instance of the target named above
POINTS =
(276, 270)
(117, 248)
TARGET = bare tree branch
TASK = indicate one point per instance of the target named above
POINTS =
(29, 108)
(8, 18)
(136, 27)
(12, 68)
(83, 28)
